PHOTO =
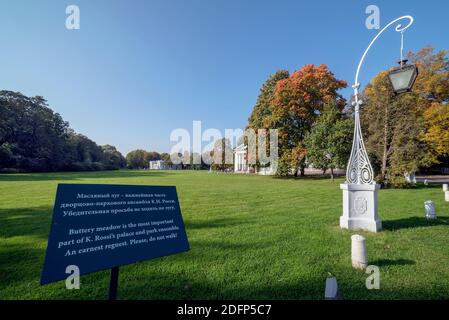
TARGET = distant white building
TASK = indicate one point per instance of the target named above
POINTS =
(241, 162)
(163, 165)
(240, 159)
(158, 165)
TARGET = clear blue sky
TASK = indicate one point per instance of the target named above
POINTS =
(138, 69)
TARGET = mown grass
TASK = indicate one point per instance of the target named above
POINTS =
(251, 237)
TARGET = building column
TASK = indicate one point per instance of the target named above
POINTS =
(236, 162)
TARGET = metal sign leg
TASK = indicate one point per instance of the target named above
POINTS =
(113, 284)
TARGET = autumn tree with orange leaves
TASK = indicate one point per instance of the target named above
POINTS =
(297, 103)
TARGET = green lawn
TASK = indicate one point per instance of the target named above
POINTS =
(251, 237)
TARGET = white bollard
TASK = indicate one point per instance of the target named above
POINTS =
(445, 187)
(331, 290)
(358, 252)
(429, 207)
(446, 196)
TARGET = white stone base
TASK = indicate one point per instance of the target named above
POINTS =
(360, 207)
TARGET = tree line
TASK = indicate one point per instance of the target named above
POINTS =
(33, 138)
(140, 159)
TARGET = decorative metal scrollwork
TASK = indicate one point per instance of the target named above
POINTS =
(359, 169)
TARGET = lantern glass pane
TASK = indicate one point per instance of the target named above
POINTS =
(401, 80)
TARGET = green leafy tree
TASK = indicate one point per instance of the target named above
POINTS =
(196, 161)
(261, 110)
(113, 159)
(35, 138)
(137, 159)
(153, 156)
(261, 113)
(166, 158)
(222, 155)
(32, 136)
(329, 142)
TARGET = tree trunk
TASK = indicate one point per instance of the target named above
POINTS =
(332, 174)
(302, 172)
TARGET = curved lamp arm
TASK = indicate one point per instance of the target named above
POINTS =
(399, 28)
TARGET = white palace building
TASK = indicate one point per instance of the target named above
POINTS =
(241, 162)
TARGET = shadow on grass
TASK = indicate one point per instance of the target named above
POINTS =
(20, 263)
(179, 286)
(214, 223)
(313, 178)
(414, 222)
(432, 185)
(210, 250)
(390, 262)
(49, 176)
(18, 222)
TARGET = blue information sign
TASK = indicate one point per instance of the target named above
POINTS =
(98, 227)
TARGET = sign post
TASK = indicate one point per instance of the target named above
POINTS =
(113, 283)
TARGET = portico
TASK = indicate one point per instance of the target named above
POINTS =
(240, 159)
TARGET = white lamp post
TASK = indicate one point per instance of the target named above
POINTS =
(360, 190)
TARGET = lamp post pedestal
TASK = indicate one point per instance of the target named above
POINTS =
(360, 207)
